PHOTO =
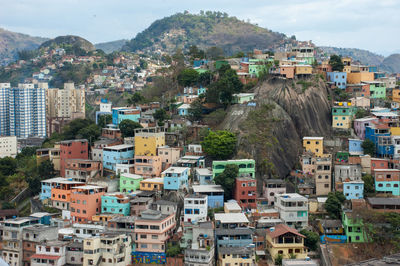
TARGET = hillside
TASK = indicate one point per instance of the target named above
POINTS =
(204, 30)
(363, 56)
(12, 42)
(271, 133)
(109, 47)
(69, 40)
(391, 64)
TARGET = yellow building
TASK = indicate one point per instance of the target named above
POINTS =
(236, 256)
(147, 140)
(152, 184)
(285, 241)
(347, 64)
(103, 218)
(396, 95)
(314, 145)
(303, 70)
(357, 77)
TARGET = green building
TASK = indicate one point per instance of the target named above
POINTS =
(377, 89)
(247, 167)
(129, 183)
(353, 227)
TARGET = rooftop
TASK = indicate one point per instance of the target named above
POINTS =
(119, 147)
(132, 176)
(281, 229)
(313, 138)
(236, 231)
(384, 201)
(165, 202)
(235, 250)
(207, 188)
(292, 196)
(175, 170)
(231, 217)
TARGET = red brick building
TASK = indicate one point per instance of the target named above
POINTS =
(246, 192)
(72, 149)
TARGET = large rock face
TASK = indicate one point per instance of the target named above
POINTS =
(297, 111)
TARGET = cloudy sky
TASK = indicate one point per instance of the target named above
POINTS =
(366, 24)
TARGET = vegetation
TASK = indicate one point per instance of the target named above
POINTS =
(104, 120)
(173, 250)
(188, 77)
(278, 259)
(333, 204)
(227, 179)
(136, 98)
(220, 145)
(196, 110)
(361, 112)
(336, 63)
(160, 115)
(368, 184)
(368, 147)
(304, 84)
(311, 239)
(128, 127)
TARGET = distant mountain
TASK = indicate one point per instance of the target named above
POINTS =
(363, 56)
(12, 42)
(391, 64)
(112, 46)
(69, 40)
(204, 30)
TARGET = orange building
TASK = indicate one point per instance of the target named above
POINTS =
(148, 166)
(287, 71)
(61, 193)
(396, 95)
(86, 202)
(358, 77)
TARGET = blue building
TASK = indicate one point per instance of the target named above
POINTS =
(380, 136)
(238, 237)
(122, 113)
(355, 147)
(204, 176)
(46, 185)
(372, 68)
(44, 217)
(214, 193)
(105, 109)
(115, 203)
(201, 90)
(353, 190)
(176, 178)
(378, 75)
(113, 155)
(183, 110)
(199, 63)
(339, 78)
(22, 110)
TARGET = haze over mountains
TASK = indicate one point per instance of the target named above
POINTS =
(183, 30)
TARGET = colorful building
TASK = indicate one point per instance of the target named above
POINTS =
(353, 227)
(355, 147)
(195, 208)
(82, 170)
(358, 77)
(61, 191)
(285, 241)
(242, 98)
(147, 140)
(293, 209)
(314, 145)
(379, 134)
(347, 64)
(148, 166)
(129, 183)
(72, 149)
(246, 167)
(152, 184)
(377, 89)
(236, 256)
(168, 155)
(214, 193)
(86, 202)
(353, 190)
(361, 123)
(387, 181)
(176, 178)
(338, 78)
(115, 203)
(272, 188)
(122, 113)
(342, 116)
(117, 154)
(245, 192)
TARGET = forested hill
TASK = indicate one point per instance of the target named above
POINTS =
(204, 30)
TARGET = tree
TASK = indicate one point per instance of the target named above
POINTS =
(311, 239)
(196, 110)
(220, 145)
(128, 127)
(361, 112)
(91, 133)
(368, 147)
(333, 204)
(239, 54)
(278, 259)
(215, 53)
(227, 179)
(188, 77)
(46, 170)
(205, 78)
(104, 120)
(173, 250)
(368, 184)
(160, 115)
(136, 98)
(336, 63)
(8, 166)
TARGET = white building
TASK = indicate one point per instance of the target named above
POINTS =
(195, 208)
(8, 146)
(293, 209)
(50, 253)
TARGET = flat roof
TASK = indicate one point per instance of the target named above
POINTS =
(133, 176)
(88, 187)
(175, 170)
(207, 188)
(203, 171)
(232, 205)
(292, 196)
(154, 179)
(231, 217)
(384, 114)
(310, 138)
(386, 170)
(118, 147)
(384, 201)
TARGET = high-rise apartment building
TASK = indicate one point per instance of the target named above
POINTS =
(63, 105)
(22, 110)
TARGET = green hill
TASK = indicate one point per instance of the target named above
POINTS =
(205, 30)
(109, 47)
(70, 40)
(12, 42)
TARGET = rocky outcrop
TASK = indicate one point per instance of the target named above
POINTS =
(297, 108)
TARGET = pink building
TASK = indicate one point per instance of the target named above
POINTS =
(287, 71)
(152, 230)
(361, 123)
(86, 202)
(168, 155)
(148, 166)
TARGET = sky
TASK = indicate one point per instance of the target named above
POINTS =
(366, 24)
